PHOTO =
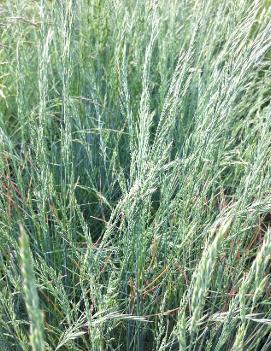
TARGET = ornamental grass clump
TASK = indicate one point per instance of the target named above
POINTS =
(135, 153)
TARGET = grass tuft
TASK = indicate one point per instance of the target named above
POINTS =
(135, 152)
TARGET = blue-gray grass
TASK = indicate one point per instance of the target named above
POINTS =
(135, 153)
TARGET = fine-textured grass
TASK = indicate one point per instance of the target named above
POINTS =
(135, 175)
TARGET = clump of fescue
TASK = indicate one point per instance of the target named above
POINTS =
(131, 132)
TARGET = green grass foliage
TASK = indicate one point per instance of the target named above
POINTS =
(135, 175)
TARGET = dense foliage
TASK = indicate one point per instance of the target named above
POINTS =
(135, 179)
